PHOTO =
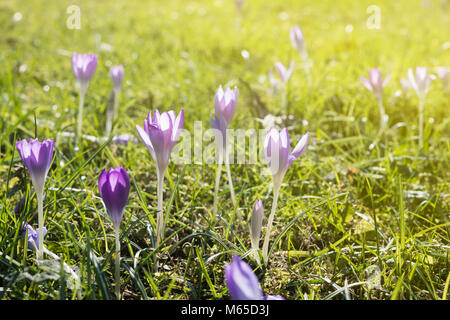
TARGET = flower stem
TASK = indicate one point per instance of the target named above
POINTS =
(421, 104)
(80, 114)
(230, 181)
(382, 115)
(40, 198)
(216, 190)
(117, 265)
(160, 214)
(276, 189)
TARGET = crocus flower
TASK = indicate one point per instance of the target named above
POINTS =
(225, 103)
(160, 134)
(406, 85)
(376, 85)
(420, 81)
(37, 158)
(256, 224)
(116, 74)
(284, 73)
(32, 237)
(84, 66)
(277, 151)
(298, 41)
(442, 73)
(114, 186)
(375, 82)
(243, 283)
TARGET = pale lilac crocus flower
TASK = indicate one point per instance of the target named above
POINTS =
(243, 283)
(442, 73)
(116, 73)
(114, 186)
(83, 66)
(159, 135)
(225, 102)
(31, 236)
(420, 81)
(375, 84)
(284, 75)
(298, 41)
(37, 158)
(277, 151)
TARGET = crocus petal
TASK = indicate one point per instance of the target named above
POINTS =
(242, 281)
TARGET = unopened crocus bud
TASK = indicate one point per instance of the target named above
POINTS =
(277, 151)
(114, 186)
(116, 73)
(225, 103)
(284, 73)
(32, 235)
(160, 134)
(256, 224)
(420, 81)
(375, 82)
(84, 66)
(37, 157)
(242, 282)
(297, 40)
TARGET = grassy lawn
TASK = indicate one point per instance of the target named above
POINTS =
(362, 214)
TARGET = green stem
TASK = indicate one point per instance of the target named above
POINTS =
(117, 265)
(276, 189)
(230, 181)
(421, 105)
(216, 190)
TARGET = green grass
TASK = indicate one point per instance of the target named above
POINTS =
(345, 209)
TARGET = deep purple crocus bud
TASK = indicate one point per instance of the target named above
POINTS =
(37, 158)
(375, 82)
(84, 66)
(114, 186)
(225, 103)
(420, 81)
(284, 73)
(160, 134)
(242, 282)
(33, 242)
(297, 40)
(256, 223)
(116, 74)
(277, 151)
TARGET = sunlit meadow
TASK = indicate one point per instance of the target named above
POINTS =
(360, 201)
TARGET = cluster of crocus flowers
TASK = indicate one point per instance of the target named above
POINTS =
(160, 133)
(243, 283)
(225, 103)
(37, 157)
(420, 81)
(279, 158)
(375, 84)
(83, 66)
(116, 73)
(114, 186)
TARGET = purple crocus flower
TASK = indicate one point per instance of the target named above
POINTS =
(420, 81)
(116, 73)
(256, 224)
(114, 186)
(32, 236)
(37, 158)
(284, 73)
(160, 134)
(277, 151)
(375, 82)
(84, 66)
(297, 40)
(225, 103)
(243, 283)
